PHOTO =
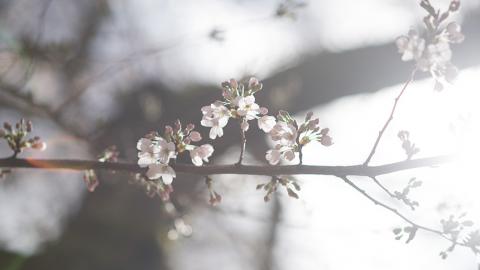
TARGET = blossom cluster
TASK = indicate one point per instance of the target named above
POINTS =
(110, 154)
(431, 49)
(156, 151)
(289, 137)
(238, 103)
(16, 137)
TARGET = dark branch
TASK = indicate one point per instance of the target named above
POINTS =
(357, 170)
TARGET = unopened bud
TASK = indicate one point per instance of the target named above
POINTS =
(263, 110)
(178, 125)
(29, 126)
(233, 83)
(7, 126)
(39, 145)
(308, 116)
(454, 5)
(190, 127)
(195, 136)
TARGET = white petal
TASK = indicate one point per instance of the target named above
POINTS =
(155, 171)
(145, 161)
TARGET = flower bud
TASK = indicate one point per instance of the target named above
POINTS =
(178, 125)
(195, 136)
(263, 110)
(308, 116)
(168, 129)
(7, 126)
(39, 145)
(29, 126)
(190, 127)
(454, 5)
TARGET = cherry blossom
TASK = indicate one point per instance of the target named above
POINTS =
(155, 151)
(431, 51)
(273, 156)
(266, 123)
(163, 171)
(283, 133)
(167, 151)
(290, 138)
(216, 117)
(247, 107)
(239, 103)
(201, 154)
(148, 152)
(411, 47)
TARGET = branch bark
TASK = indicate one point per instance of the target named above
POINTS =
(353, 170)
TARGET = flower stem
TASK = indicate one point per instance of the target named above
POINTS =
(300, 155)
(243, 143)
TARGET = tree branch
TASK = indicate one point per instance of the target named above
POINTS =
(396, 212)
(357, 170)
(385, 126)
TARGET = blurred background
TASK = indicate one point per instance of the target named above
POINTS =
(95, 73)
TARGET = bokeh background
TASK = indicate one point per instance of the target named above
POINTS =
(95, 73)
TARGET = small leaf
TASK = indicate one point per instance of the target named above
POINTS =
(397, 230)
(412, 234)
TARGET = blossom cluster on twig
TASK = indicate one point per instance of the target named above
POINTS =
(431, 49)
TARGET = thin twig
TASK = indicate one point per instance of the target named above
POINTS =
(382, 186)
(385, 126)
(396, 212)
(357, 170)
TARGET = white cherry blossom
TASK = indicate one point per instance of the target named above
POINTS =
(201, 154)
(216, 117)
(247, 107)
(149, 152)
(454, 34)
(167, 151)
(285, 134)
(163, 171)
(411, 47)
(285, 137)
(273, 156)
(266, 123)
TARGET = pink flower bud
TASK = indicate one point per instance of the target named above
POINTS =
(7, 126)
(263, 110)
(39, 145)
(195, 136)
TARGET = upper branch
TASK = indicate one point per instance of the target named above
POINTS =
(390, 117)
